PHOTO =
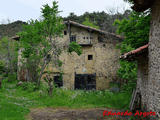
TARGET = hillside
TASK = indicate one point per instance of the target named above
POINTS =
(102, 19)
(10, 29)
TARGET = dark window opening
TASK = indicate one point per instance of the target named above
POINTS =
(58, 81)
(90, 57)
(48, 57)
(87, 37)
(84, 38)
(73, 38)
(65, 32)
(100, 39)
(91, 37)
(85, 81)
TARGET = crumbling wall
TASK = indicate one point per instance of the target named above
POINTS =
(103, 63)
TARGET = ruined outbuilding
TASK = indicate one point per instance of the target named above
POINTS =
(96, 66)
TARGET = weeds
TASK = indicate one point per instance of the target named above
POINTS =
(15, 102)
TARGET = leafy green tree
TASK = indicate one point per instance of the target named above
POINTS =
(136, 33)
(87, 22)
(40, 43)
(8, 56)
(102, 19)
(135, 29)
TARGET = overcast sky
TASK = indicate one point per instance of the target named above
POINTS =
(26, 9)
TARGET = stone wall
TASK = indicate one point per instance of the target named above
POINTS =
(105, 58)
(142, 81)
(154, 60)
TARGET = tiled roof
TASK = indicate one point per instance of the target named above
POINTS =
(135, 52)
(93, 29)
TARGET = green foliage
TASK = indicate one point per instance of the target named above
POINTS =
(135, 29)
(2, 67)
(11, 29)
(136, 32)
(16, 102)
(102, 19)
(39, 41)
(28, 86)
(128, 72)
(74, 47)
(8, 56)
(12, 77)
(87, 22)
(41, 44)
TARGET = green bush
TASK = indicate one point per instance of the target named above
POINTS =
(12, 77)
(28, 86)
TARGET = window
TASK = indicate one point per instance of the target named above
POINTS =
(65, 32)
(87, 37)
(73, 38)
(58, 81)
(84, 38)
(91, 37)
(100, 39)
(85, 81)
(90, 57)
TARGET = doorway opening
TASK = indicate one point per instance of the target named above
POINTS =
(85, 81)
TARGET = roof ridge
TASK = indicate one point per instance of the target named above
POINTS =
(94, 29)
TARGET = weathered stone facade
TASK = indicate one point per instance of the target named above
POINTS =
(142, 81)
(102, 48)
(149, 67)
(154, 60)
(97, 64)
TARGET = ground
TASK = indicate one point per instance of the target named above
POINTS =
(70, 114)
(19, 103)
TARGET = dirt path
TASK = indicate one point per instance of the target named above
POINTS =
(69, 114)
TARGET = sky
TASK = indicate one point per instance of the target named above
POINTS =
(30, 9)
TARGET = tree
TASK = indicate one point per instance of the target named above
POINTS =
(136, 32)
(87, 22)
(40, 43)
(102, 19)
(8, 56)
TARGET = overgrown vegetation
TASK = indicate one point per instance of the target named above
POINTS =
(87, 22)
(16, 101)
(103, 20)
(136, 32)
(10, 29)
(8, 58)
(42, 47)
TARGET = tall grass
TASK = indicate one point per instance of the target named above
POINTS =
(16, 102)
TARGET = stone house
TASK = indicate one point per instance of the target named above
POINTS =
(97, 65)
(152, 82)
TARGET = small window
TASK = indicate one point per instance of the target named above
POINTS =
(73, 38)
(65, 32)
(87, 37)
(90, 57)
(84, 37)
(100, 39)
(58, 81)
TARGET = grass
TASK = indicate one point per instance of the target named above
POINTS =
(16, 102)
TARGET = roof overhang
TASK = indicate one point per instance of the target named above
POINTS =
(142, 5)
(69, 22)
(134, 54)
(16, 37)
